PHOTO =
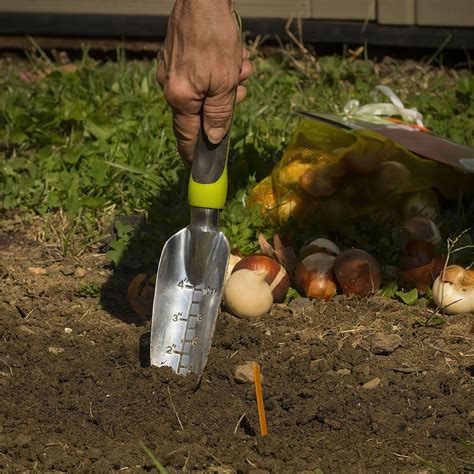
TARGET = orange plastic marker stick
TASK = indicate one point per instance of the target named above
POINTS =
(411, 125)
(259, 394)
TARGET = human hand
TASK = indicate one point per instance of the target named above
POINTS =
(200, 69)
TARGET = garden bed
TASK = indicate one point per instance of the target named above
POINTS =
(78, 395)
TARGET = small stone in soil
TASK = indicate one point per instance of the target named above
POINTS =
(301, 304)
(362, 369)
(371, 384)
(315, 363)
(383, 343)
(243, 373)
(66, 271)
(344, 372)
(68, 330)
(38, 270)
(55, 350)
(79, 272)
(333, 424)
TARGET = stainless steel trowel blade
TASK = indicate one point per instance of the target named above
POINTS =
(188, 292)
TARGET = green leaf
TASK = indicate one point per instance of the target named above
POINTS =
(408, 297)
(291, 294)
(389, 290)
(102, 132)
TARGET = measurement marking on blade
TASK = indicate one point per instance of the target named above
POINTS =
(181, 354)
(191, 319)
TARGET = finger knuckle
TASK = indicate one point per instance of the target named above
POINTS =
(177, 92)
(218, 113)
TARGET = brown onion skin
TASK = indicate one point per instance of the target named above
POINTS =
(315, 284)
(140, 294)
(318, 182)
(357, 272)
(416, 253)
(423, 276)
(390, 176)
(256, 262)
(421, 228)
(458, 275)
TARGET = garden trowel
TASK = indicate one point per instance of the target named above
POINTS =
(192, 268)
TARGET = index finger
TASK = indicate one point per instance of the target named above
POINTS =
(186, 128)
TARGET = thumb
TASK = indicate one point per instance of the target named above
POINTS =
(217, 114)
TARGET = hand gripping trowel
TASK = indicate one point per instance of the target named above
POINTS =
(192, 267)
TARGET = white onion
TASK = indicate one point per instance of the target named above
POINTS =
(453, 290)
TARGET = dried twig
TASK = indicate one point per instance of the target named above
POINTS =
(238, 423)
(174, 409)
(8, 365)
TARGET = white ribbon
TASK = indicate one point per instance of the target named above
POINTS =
(372, 112)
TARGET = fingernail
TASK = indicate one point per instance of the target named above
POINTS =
(216, 135)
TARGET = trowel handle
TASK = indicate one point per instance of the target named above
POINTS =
(208, 181)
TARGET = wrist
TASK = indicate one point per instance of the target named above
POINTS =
(205, 3)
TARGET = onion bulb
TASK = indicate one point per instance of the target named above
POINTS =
(421, 228)
(390, 176)
(423, 203)
(247, 294)
(275, 275)
(416, 253)
(314, 276)
(357, 272)
(319, 245)
(322, 181)
(419, 264)
(140, 294)
(453, 290)
(233, 261)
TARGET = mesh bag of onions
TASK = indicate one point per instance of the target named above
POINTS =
(333, 176)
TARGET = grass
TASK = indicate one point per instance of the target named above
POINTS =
(93, 141)
(156, 464)
(467, 464)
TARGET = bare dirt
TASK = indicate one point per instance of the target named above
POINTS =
(78, 396)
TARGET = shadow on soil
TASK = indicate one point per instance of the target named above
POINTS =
(138, 243)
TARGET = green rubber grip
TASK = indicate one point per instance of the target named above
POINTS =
(208, 181)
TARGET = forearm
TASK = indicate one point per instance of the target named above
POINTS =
(212, 9)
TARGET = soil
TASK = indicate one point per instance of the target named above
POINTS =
(78, 394)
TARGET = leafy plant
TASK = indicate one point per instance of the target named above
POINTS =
(242, 225)
(89, 290)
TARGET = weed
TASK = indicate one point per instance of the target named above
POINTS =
(431, 321)
(159, 467)
(89, 290)
(431, 466)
